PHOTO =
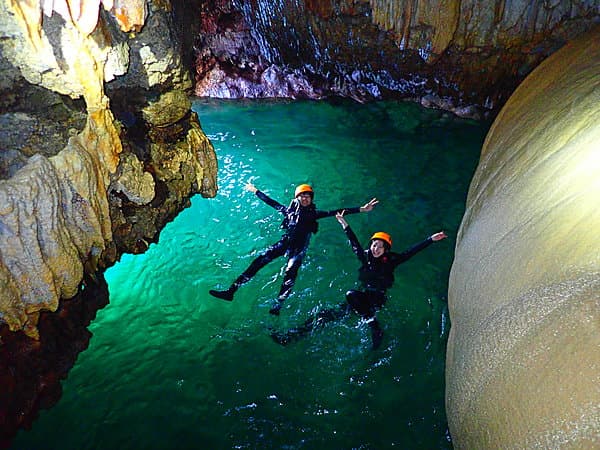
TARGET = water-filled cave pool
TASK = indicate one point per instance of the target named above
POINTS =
(171, 367)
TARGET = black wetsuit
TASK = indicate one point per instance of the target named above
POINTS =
(376, 275)
(299, 223)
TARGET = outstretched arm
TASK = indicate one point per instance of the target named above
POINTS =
(365, 208)
(406, 255)
(352, 239)
(265, 198)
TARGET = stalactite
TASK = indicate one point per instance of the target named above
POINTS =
(49, 201)
(427, 27)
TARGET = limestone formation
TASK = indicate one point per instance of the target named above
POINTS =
(98, 151)
(466, 56)
(61, 199)
(46, 204)
(523, 361)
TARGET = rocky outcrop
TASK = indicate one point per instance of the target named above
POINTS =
(466, 56)
(523, 354)
(99, 149)
(72, 204)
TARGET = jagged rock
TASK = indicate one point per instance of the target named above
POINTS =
(23, 135)
(472, 52)
(170, 108)
(71, 200)
(133, 182)
(57, 208)
(182, 161)
(52, 219)
(155, 60)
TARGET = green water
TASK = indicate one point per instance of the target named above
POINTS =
(171, 367)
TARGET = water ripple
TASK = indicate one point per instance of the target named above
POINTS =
(170, 366)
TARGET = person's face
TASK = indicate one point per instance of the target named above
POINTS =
(377, 247)
(305, 199)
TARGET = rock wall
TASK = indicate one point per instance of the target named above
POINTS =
(466, 56)
(523, 360)
(73, 210)
(99, 149)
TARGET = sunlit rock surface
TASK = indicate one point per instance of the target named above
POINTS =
(55, 214)
(523, 361)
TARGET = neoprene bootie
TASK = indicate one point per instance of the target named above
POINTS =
(223, 295)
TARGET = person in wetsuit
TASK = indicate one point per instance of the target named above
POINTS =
(376, 275)
(300, 221)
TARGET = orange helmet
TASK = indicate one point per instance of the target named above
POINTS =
(304, 188)
(383, 236)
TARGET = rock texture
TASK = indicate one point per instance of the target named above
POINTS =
(523, 361)
(99, 149)
(466, 56)
(66, 202)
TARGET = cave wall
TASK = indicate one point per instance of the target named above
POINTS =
(99, 149)
(523, 359)
(139, 156)
(466, 56)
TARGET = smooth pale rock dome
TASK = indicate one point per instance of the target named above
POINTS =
(523, 360)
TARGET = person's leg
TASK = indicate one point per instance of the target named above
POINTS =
(316, 321)
(376, 331)
(259, 262)
(366, 304)
(359, 302)
(289, 278)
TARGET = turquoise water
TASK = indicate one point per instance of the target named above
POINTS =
(171, 367)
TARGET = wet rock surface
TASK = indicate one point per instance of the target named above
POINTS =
(524, 289)
(99, 150)
(35, 120)
(73, 139)
(31, 371)
(465, 57)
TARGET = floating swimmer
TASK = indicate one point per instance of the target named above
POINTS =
(300, 221)
(376, 274)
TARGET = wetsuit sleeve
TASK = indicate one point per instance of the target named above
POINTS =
(356, 247)
(321, 214)
(407, 254)
(272, 203)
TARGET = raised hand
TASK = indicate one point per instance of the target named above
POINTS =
(438, 236)
(340, 218)
(250, 187)
(369, 205)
